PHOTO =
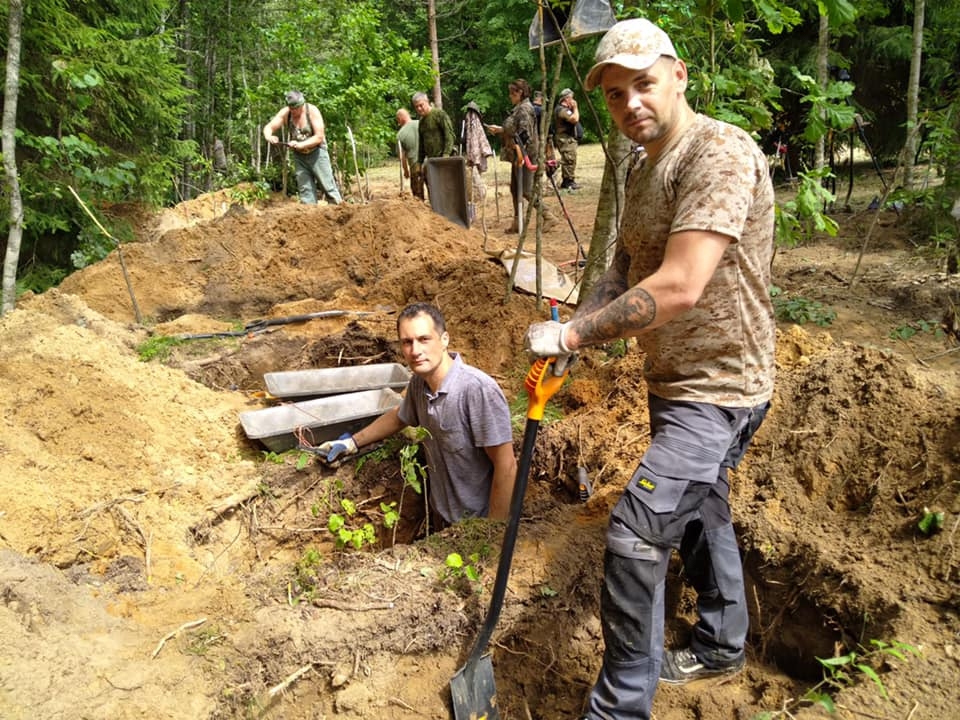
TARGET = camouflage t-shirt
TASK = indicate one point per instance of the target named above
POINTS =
(714, 178)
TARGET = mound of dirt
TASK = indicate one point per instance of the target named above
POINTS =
(158, 562)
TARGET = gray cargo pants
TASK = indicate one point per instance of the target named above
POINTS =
(677, 498)
(314, 173)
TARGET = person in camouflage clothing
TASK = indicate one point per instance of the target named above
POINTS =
(521, 137)
(437, 137)
(690, 281)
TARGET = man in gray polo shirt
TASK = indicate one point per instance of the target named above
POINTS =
(470, 462)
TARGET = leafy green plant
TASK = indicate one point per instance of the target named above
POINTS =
(348, 528)
(280, 458)
(798, 219)
(271, 456)
(248, 192)
(39, 278)
(459, 572)
(391, 516)
(411, 469)
(157, 347)
(845, 671)
(305, 573)
(800, 310)
(908, 330)
(616, 349)
(930, 521)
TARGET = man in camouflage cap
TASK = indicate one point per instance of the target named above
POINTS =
(690, 281)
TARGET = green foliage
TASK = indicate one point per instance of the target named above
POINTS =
(547, 592)
(800, 310)
(412, 471)
(845, 671)
(249, 192)
(39, 278)
(105, 98)
(930, 522)
(457, 570)
(391, 516)
(518, 412)
(800, 218)
(617, 349)
(908, 330)
(316, 49)
(305, 572)
(730, 79)
(158, 347)
(93, 246)
(349, 529)
(829, 109)
(840, 672)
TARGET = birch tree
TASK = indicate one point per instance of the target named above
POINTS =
(913, 94)
(11, 91)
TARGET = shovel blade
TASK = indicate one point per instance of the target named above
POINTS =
(474, 691)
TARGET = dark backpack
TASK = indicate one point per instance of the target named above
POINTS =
(578, 132)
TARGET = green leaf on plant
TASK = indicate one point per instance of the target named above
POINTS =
(872, 674)
(930, 522)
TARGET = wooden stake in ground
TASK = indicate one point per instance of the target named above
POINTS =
(123, 265)
(356, 167)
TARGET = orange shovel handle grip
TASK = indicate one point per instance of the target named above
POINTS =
(541, 385)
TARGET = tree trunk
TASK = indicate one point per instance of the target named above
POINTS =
(434, 52)
(10, 93)
(823, 49)
(913, 93)
(950, 197)
(607, 222)
(189, 131)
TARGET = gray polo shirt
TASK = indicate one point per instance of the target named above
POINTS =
(467, 414)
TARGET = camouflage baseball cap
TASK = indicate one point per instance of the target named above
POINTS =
(294, 98)
(566, 92)
(636, 44)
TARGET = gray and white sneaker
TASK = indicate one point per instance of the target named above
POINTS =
(682, 666)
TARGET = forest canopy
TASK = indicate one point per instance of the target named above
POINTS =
(128, 101)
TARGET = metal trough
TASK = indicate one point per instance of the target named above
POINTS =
(321, 419)
(333, 381)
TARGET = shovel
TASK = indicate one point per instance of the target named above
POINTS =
(473, 688)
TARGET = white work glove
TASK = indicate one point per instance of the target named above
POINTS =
(334, 450)
(546, 339)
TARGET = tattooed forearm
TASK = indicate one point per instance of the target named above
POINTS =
(627, 316)
(607, 289)
(611, 285)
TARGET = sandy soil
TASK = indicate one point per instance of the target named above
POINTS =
(157, 563)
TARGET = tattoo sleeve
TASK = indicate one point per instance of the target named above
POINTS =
(611, 285)
(627, 316)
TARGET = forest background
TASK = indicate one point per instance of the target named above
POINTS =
(130, 102)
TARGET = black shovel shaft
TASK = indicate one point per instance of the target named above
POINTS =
(509, 541)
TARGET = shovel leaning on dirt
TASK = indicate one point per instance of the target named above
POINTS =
(473, 688)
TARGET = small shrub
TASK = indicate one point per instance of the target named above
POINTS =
(458, 572)
(157, 347)
(800, 310)
(908, 330)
